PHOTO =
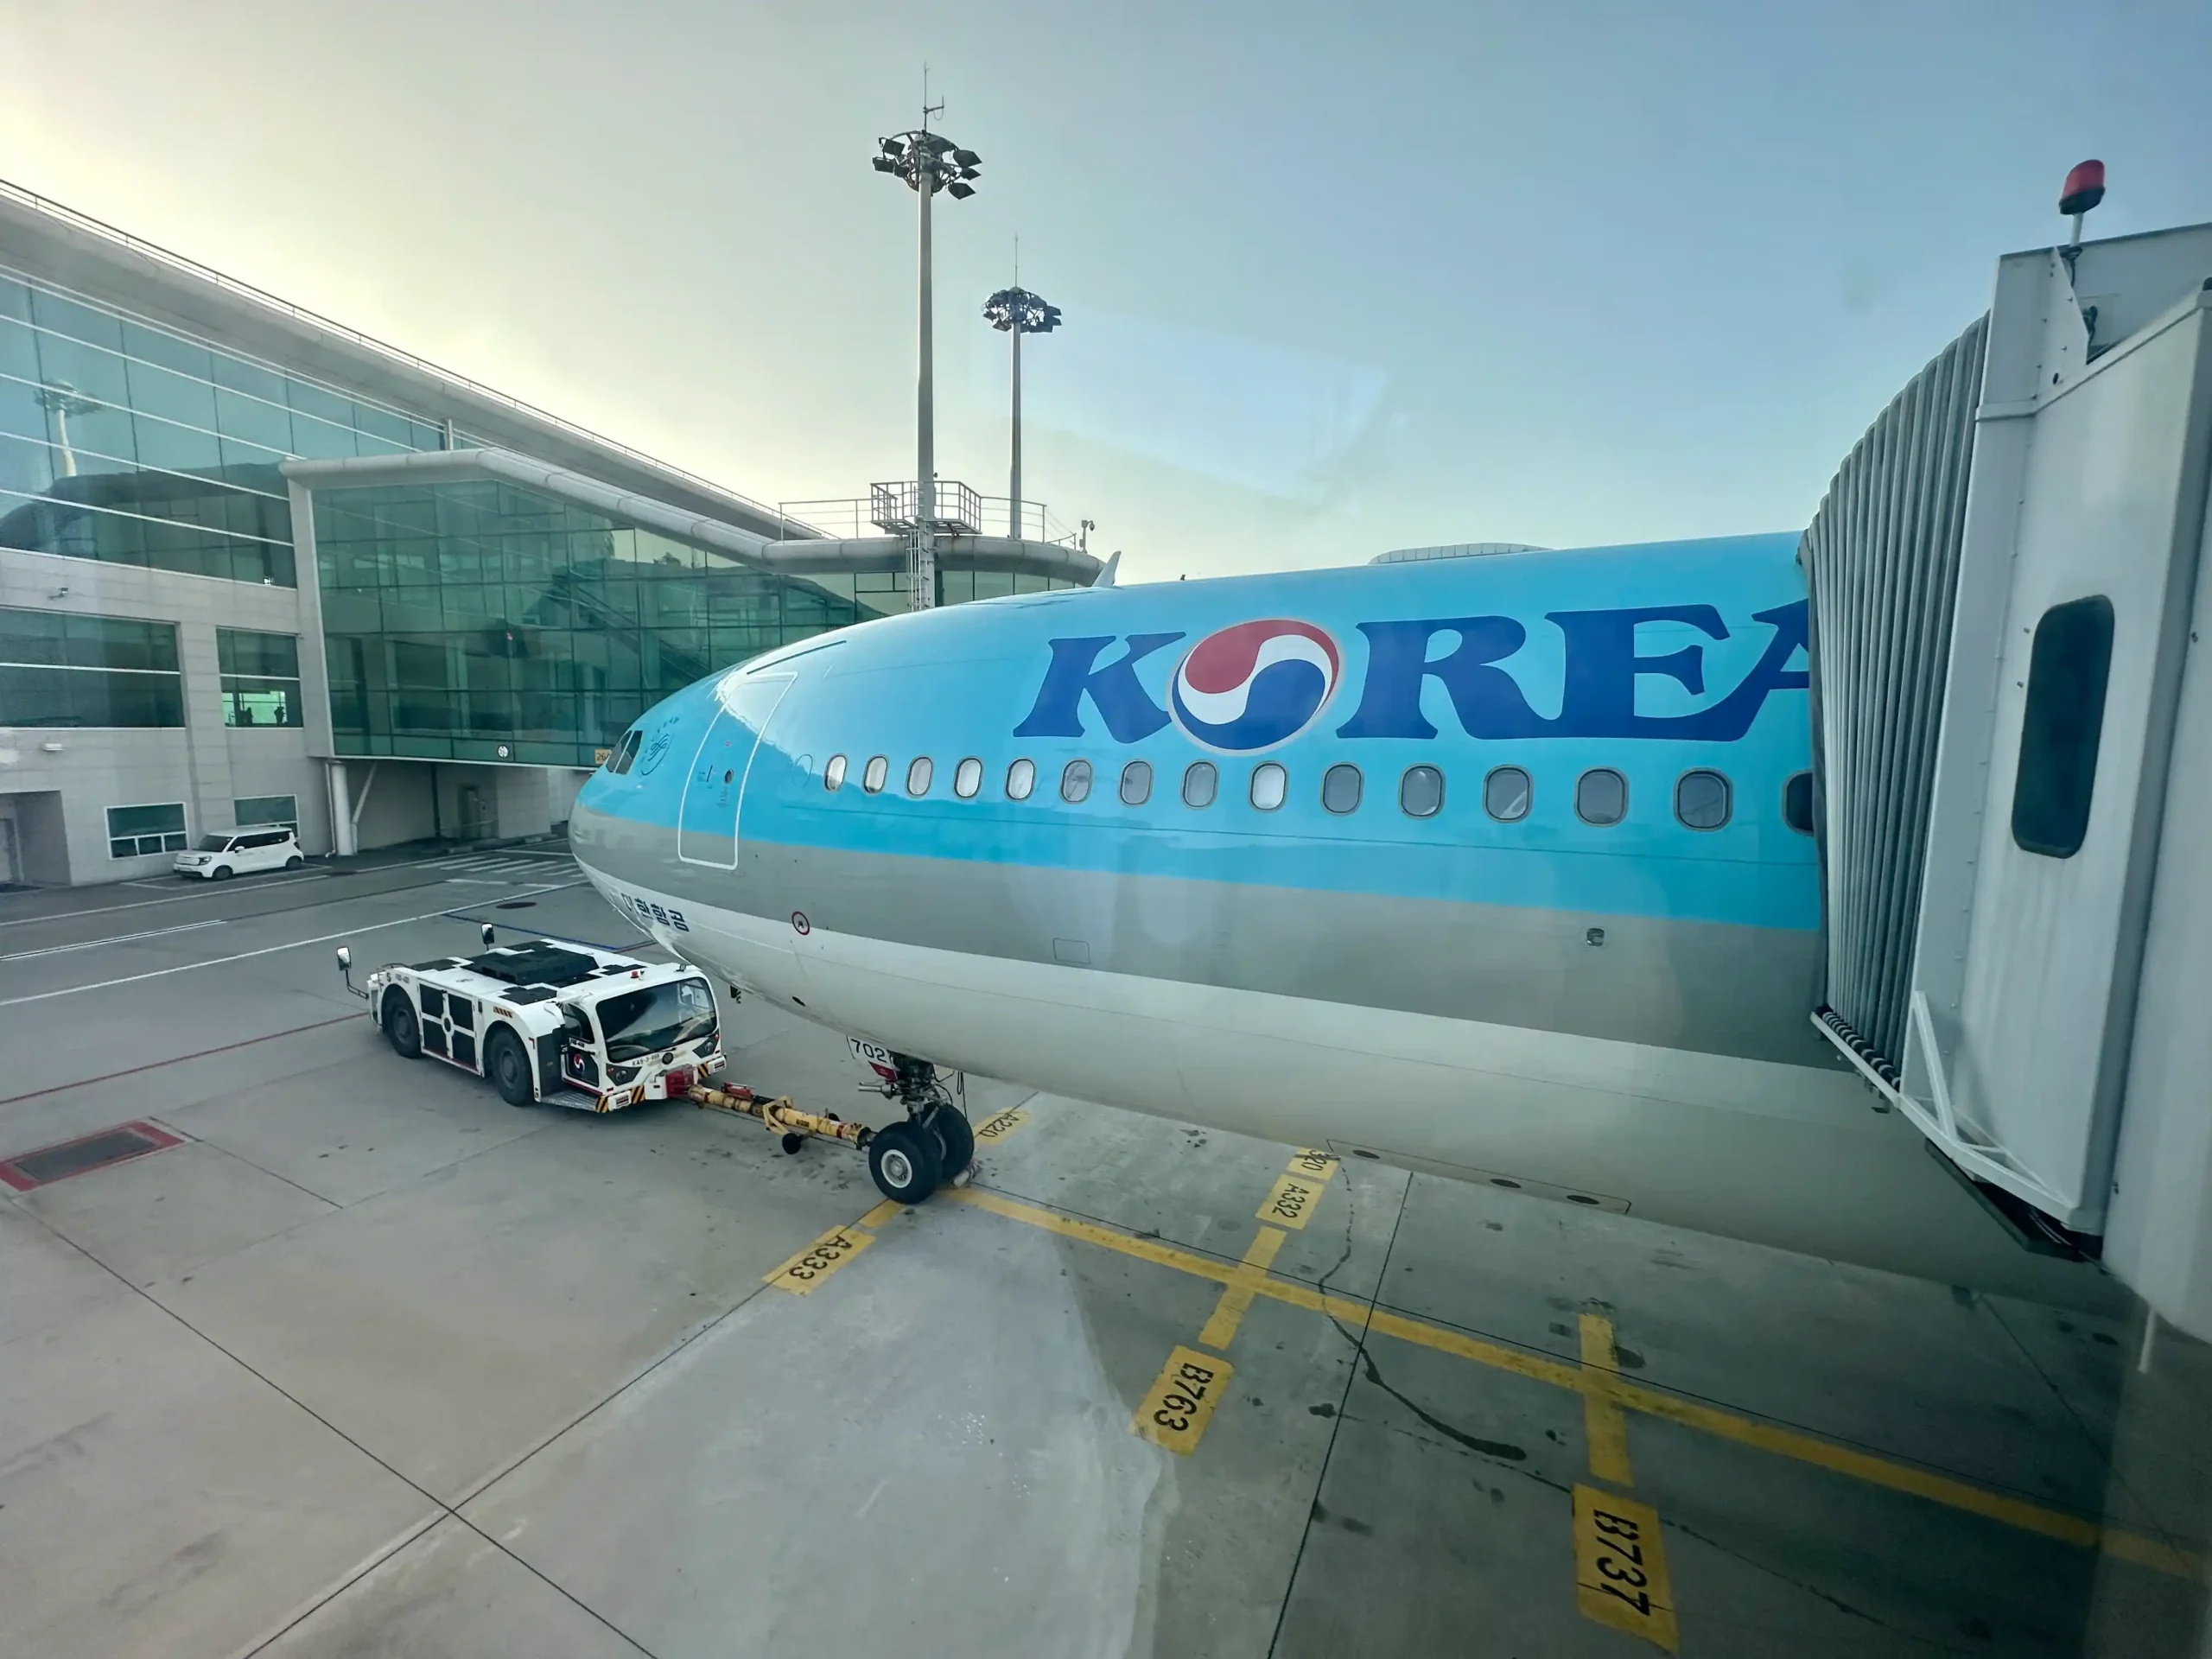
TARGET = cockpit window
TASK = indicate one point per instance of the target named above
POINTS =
(626, 752)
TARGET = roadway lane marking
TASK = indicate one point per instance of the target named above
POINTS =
(1236, 1296)
(1180, 1401)
(1620, 1567)
(119, 938)
(243, 956)
(997, 1127)
(1602, 1422)
(210, 890)
(807, 1269)
(1874, 1469)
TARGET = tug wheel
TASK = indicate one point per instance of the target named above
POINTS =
(508, 1068)
(400, 1029)
(905, 1162)
(955, 1140)
(791, 1143)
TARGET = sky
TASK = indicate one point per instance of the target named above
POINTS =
(1336, 278)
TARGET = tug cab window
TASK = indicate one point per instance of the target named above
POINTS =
(2061, 726)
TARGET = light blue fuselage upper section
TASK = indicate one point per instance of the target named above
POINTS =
(1653, 661)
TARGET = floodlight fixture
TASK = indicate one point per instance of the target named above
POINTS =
(958, 191)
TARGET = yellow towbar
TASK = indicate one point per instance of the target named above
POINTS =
(780, 1117)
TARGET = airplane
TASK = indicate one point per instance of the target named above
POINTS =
(1499, 868)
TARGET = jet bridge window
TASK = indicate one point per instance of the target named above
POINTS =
(2062, 727)
(1200, 781)
(1075, 782)
(1505, 794)
(917, 776)
(1270, 784)
(833, 775)
(1020, 778)
(1703, 799)
(1137, 783)
(1340, 789)
(1601, 797)
(878, 768)
(1421, 792)
(967, 778)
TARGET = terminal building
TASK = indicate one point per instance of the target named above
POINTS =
(257, 568)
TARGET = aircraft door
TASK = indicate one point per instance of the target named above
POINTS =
(713, 789)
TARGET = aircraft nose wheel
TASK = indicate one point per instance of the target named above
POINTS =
(954, 1138)
(905, 1161)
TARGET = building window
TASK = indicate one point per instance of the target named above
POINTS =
(1340, 789)
(1506, 794)
(1797, 802)
(967, 778)
(142, 831)
(833, 775)
(261, 678)
(1200, 781)
(1137, 783)
(1270, 785)
(917, 776)
(1703, 799)
(879, 769)
(1421, 792)
(1075, 782)
(57, 669)
(1601, 797)
(281, 810)
(1020, 778)
(2062, 727)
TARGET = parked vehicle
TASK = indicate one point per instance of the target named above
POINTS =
(242, 852)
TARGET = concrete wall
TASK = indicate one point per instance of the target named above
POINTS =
(393, 800)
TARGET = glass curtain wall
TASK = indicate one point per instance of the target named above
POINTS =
(477, 621)
(59, 669)
(125, 443)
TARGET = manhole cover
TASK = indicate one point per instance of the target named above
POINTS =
(89, 1152)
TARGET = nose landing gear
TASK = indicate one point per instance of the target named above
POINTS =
(935, 1144)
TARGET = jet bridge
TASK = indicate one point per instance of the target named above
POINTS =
(2013, 748)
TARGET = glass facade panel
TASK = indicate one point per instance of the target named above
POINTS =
(58, 669)
(122, 443)
(140, 832)
(460, 616)
(267, 809)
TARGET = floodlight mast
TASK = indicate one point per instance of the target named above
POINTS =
(928, 163)
(1017, 312)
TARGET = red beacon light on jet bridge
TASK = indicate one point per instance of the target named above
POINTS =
(2085, 189)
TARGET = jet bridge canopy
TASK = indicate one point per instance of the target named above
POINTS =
(2013, 751)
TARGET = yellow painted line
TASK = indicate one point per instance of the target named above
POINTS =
(1180, 1402)
(881, 1213)
(1237, 1297)
(1782, 1442)
(1290, 1202)
(997, 1127)
(1315, 1165)
(819, 1260)
(1603, 1423)
(1620, 1567)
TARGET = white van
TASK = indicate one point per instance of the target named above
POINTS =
(217, 858)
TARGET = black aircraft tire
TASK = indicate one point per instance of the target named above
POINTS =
(956, 1139)
(400, 1029)
(508, 1067)
(903, 1162)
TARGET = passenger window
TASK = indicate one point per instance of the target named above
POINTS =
(1797, 802)
(1075, 782)
(1020, 778)
(2063, 727)
(967, 778)
(1340, 789)
(1200, 781)
(917, 776)
(1137, 783)
(1270, 784)
(1703, 799)
(879, 769)
(1601, 796)
(833, 775)
(1421, 792)
(1506, 794)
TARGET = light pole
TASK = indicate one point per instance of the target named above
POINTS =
(61, 400)
(1017, 311)
(929, 162)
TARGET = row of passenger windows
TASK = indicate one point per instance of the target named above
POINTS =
(1703, 799)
